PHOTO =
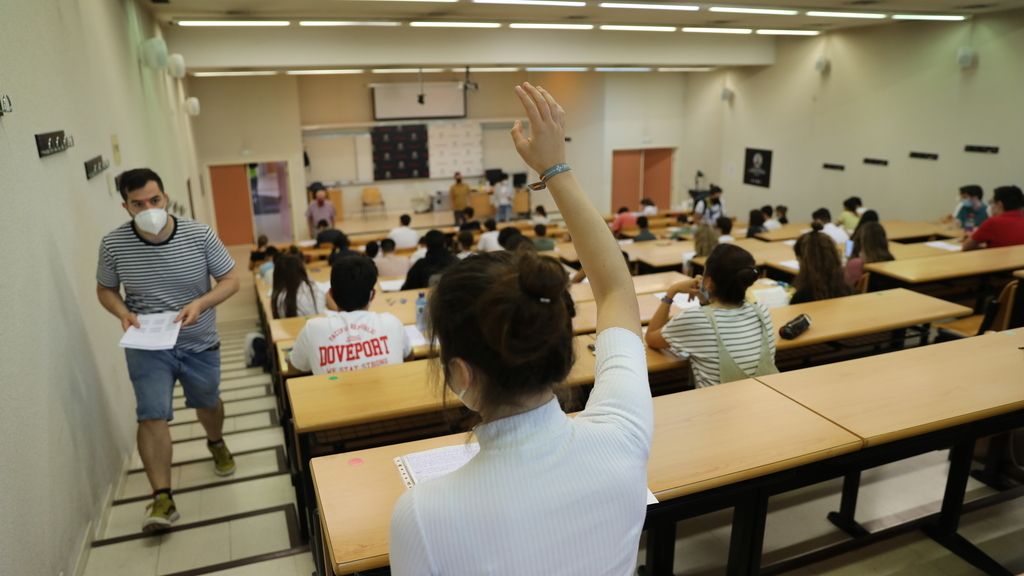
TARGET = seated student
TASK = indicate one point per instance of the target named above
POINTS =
(724, 228)
(371, 250)
(1006, 225)
(541, 242)
(540, 216)
(465, 240)
(353, 338)
(756, 225)
(971, 211)
(704, 241)
(390, 264)
(468, 221)
(782, 211)
(623, 219)
(823, 217)
(645, 234)
(257, 256)
(420, 252)
(340, 248)
(710, 209)
(518, 241)
(648, 207)
(293, 294)
(727, 338)
(489, 239)
(404, 236)
(545, 489)
(770, 223)
(506, 235)
(865, 218)
(325, 234)
(850, 217)
(870, 244)
(821, 270)
(436, 259)
(266, 269)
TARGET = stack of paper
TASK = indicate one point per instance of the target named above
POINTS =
(414, 335)
(156, 332)
(774, 297)
(392, 285)
(306, 243)
(943, 245)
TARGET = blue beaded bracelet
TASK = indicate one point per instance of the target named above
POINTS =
(554, 171)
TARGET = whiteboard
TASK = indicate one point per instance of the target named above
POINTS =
(400, 100)
(343, 157)
(455, 147)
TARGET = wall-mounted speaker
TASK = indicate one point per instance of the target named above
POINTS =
(823, 65)
(967, 57)
(176, 65)
(154, 53)
(192, 106)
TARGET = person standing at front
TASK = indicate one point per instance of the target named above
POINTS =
(165, 264)
(319, 209)
(459, 193)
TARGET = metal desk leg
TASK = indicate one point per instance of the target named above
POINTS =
(304, 487)
(748, 520)
(991, 475)
(661, 549)
(945, 530)
(844, 519)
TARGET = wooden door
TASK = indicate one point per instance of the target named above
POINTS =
(627, 179)
(658, 176)
(232, 204)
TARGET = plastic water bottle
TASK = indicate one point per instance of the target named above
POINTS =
(969, 223)
(421, 312)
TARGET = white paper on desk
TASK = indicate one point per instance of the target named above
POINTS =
(943, 245)
(306, 243)
(626, 242)
(789, 242)
(416, 338)
(392, 285)
(774, 297)
(429, 464)
(681, 301)
(157, 332)
(651, 498)
(794, 264)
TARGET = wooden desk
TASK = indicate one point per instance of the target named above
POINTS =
(401, 304)
(1019, 274)
(586, 313)
(894, 229)
(703, 439)
(645, 284)
(790, 231)
(658, 253)
(951, 265)
(760, 250)
(902, 251)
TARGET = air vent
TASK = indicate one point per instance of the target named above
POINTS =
(863, 2)
(976, 7)
(721, 22)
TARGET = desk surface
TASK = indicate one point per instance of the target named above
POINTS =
(951, 265)
(659, 253)
(761, 251)
(1019, 274)
(645, 284)
(899, 251)
(703, 439)
(923, 389)
(894, 229)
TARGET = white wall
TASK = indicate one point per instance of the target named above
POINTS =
(892, 90)
(67, 419)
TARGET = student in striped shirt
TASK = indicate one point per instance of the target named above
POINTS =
(727, 338)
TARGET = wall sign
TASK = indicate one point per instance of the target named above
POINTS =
(757, 167)
(400, 152)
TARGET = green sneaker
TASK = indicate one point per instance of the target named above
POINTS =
(160, 514)
(223, 461)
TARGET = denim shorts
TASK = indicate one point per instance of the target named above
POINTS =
(154, 372)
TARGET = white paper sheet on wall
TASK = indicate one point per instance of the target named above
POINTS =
(455, 147)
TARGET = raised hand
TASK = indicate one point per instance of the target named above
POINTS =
(545, 145)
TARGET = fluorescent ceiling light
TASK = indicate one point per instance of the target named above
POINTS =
(347, 23)
(435, 1)
(236, 73)
(454, 24)
(683, 7)
(788, 32)
(487, 69)
(845, 15)
(622, 69)
(686, 69)
(928, 17)
(323, 72)
(533, 2)
(407, 70)
(556, 69)
(718, 30)
(769, 11)
(639, 28)
(255, 23)
(530, 26)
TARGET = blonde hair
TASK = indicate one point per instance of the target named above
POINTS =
(705, 240)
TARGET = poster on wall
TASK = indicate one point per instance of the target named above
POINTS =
(757, 167)
(400, 152)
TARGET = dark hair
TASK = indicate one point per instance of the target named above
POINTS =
(867, 216)
(405, 219)
(490, 224)
(642, 222)
(519, 242)
(323, 224)
(372, 249)
(715, 189)
(822, 214)
(724, 224)
(821, 271)
(540, 230)
(387, 245)
(646, 202)
(132, 180)
(435, 240)
(756, 218)
(782, 208)
(340, 241)
(972, 190)
(289, 277)
(271, 252)
(767, 210)
(507, 234)
(468, 211)
(294, 250)
(540, 210)
(623, 209)
(262, 241)
(317, 187)
(1010, 197)
(353, 277)
(466, 240)
(733, 270)
(509, 316)
(871, 243)
(851, 203)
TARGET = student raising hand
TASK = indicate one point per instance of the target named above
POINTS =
(545, 146)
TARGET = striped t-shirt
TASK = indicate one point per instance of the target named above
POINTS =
(164, 277)
(690, 333)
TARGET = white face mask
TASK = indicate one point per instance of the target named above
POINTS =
(151, 221)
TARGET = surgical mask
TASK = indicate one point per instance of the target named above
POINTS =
(861, 210)
(151, 221)
(704, 294)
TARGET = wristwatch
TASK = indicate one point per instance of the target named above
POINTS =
(667, 300)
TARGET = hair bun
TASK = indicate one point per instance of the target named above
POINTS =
(817, 227)
(541, 278)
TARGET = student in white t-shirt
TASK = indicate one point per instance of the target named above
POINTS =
(648, 207)
(465, 240)
(824, 217)
(293, 294)
(489, 239)
(390, 264)
(724, 228)
(354, 338)
(404, 236)
(770, 222)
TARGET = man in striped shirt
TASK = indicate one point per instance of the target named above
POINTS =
(165, 264)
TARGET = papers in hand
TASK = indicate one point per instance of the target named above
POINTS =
(157, 332)
(306, 243)
(416, 338)
(392, 285)
(943, 245)
(681, 301)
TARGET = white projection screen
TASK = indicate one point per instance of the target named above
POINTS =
(400, 100)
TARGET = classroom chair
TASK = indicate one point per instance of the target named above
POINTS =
(996, 317)
(861, 287)
(371, 198)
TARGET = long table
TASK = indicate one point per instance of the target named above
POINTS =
(900, 230)
(900, 252)
(951, 265)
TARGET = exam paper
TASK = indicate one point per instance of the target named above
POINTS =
(392, 285)
(681, 301)
(157, 332)
(416, 338)
(794, 264)
(941, 244)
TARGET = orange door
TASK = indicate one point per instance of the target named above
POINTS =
(658, 176)
(627, 179)
(232, 204)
